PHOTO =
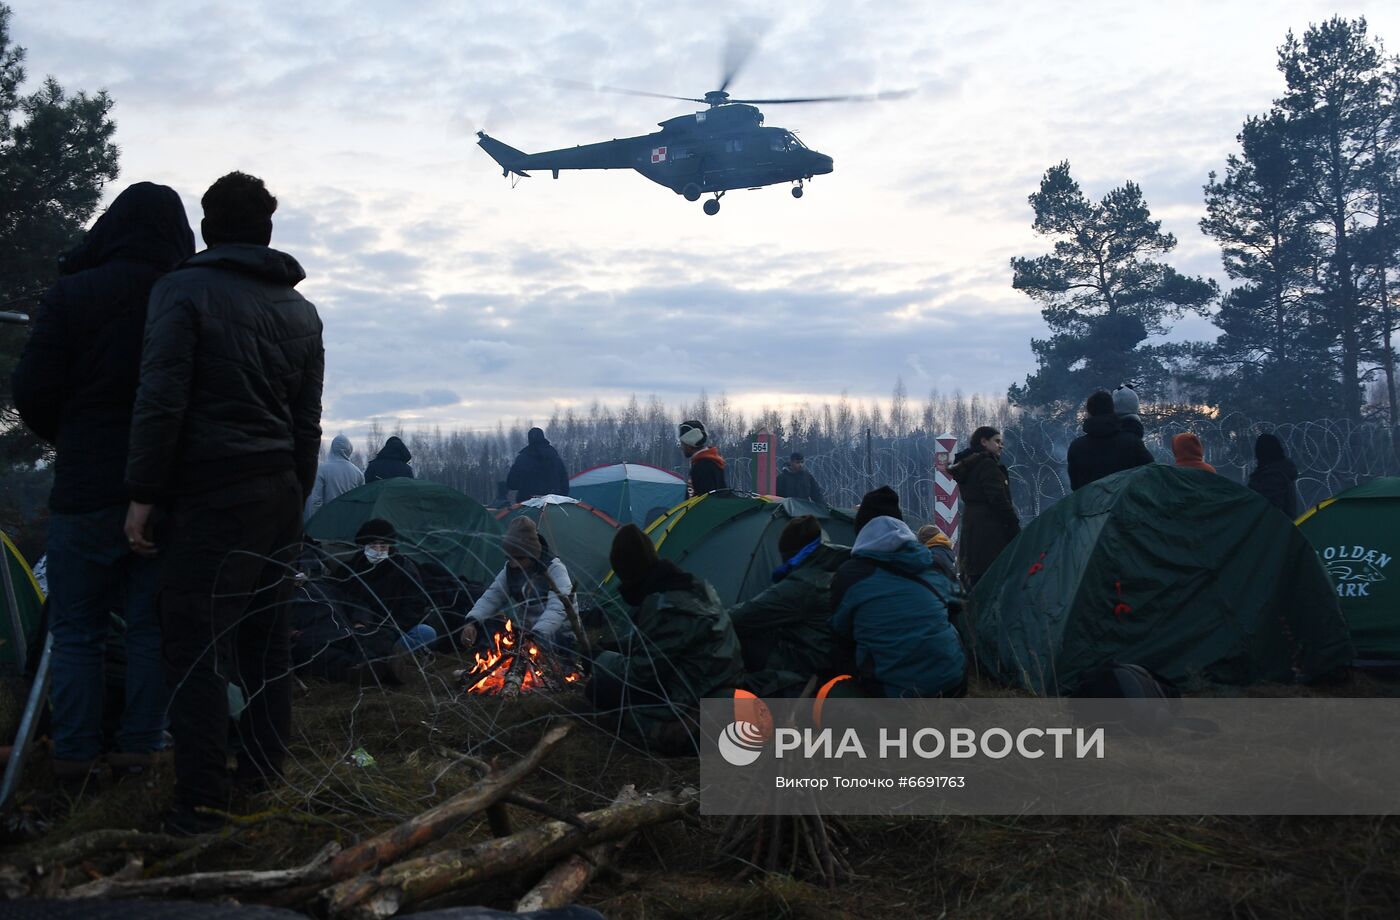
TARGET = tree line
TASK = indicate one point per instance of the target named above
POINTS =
(1305, 214)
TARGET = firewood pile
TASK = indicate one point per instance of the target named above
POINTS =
(380, 876)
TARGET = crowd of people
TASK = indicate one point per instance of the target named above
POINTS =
(181, 392)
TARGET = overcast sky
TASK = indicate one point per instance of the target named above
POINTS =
(450, 297)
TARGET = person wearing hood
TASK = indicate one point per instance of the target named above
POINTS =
(529, 590)
(224, 440)
(1274, 476)
(941, 548)
(1105, 447)
(891, 610)
(989, 519)
(392, 462)
(538, 469)
(335, 477)
(1128, 409)
(706, 465)
(75, 386)
(785, 631)
(1189, 452)
(682, 648)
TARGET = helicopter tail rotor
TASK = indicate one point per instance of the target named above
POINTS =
(506, 156)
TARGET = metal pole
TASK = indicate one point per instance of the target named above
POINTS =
(16, 621)
(27, 723)
(869, 464)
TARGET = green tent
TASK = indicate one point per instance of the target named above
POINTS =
(1180, 571)
(731, 539)
(578, 533)
(1357, 535)
(28, 605)
(435, 524)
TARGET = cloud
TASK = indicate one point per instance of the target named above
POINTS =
(450, 296)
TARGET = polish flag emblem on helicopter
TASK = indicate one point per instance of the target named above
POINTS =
(658, 154)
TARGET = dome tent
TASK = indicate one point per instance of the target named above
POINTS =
(628, 492)
(435, 524)
(576, 532)
(1177, 570)
(730, 539)
(1357, 535)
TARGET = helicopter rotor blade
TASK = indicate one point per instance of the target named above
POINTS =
(867, 97)
(737, 51)
(574, 84)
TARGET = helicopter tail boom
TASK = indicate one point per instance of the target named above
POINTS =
(509, 159)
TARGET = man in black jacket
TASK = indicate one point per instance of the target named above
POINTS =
(224, 439)
(794, 481)
(74, 387)
(538, 469)
(1105, 447)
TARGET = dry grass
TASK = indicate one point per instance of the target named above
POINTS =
(908, 867)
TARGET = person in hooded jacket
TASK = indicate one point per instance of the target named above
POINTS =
(1128, 409)
(989, 518)
(682, 648)
(529, 591)
(538, 469)
(891, 610)
(1189, 452)
(1105, 447)
(392, 462)
(336, 476)
(706, 465)
(75, 386)
(225, 435)
(1274, 476)
(785, 630)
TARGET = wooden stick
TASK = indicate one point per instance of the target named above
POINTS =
(526, 801)
(441, 820)
(562, 885)
(107, 841)
(210, 884)
(413, 881)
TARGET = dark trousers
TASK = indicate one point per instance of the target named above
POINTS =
(227, 578)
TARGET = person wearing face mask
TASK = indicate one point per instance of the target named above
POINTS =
(989, 518)
(529, 590)
(379, 588)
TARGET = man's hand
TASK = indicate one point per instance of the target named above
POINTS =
(138, 529)
(469, 635)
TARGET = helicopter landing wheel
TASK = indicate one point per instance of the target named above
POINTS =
(797, 191)
(712, 207)
(691, 192)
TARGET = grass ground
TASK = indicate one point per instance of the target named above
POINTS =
(990, 867)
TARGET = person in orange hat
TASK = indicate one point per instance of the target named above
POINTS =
(1189, 452)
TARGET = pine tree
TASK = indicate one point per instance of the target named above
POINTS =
(1103, 292)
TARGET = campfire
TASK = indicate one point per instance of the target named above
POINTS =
(514, 664)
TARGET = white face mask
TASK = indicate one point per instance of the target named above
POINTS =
(376, 556)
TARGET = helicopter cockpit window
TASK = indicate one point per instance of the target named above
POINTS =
(786, 142)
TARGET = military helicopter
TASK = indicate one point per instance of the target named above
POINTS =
(722, 148)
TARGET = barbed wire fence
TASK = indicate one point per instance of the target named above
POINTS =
(1331, 455)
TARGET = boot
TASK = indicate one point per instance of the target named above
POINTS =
(74, 776)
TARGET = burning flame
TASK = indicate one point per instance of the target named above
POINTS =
(492, 671)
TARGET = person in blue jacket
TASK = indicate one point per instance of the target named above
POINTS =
(891, 609)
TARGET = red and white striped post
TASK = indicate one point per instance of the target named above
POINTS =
(946, 516)
(764, 446)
